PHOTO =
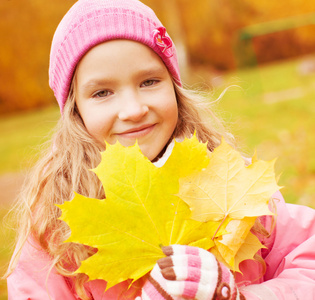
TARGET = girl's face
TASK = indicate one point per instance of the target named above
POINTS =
(124, 93)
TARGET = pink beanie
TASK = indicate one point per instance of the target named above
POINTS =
(91, 22)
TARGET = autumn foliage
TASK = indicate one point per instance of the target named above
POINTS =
(26, 30)
(197, 198)
(209, 32)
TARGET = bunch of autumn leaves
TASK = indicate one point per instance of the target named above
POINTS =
(197, 198)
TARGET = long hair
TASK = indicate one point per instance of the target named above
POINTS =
(196, 115)
(65, 167)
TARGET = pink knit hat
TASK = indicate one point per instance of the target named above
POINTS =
(91, 22)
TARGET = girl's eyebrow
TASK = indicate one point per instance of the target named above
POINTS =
(94, 83)
(147, 72)
(154, 71)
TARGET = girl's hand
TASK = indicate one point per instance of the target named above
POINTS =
(190, 273)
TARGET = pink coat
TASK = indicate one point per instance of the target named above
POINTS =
(290, 267)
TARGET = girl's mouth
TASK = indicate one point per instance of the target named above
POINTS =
(137, 132)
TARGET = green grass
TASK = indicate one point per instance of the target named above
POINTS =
(21, 134)
(271, 111)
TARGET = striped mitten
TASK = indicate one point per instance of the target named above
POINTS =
(190, 273)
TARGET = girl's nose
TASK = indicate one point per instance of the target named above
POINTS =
(132, 109)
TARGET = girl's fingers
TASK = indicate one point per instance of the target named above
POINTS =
(184, 260)
(165, 262)
(180, 249)
(169, 274)
(176, 250)
(193, 273)
(204, 260)
(167, 250)
(188, 263)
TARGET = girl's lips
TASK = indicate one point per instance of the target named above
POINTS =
(137, 132)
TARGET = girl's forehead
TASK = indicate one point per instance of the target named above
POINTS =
(117, 47)
(119, 58)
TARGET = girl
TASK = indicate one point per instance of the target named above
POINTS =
(114, 72)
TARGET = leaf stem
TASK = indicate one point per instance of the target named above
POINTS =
(223, 220)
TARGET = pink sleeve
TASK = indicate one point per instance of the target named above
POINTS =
(290, 262)
(32, 278)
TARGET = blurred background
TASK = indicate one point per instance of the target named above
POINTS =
(264, 51)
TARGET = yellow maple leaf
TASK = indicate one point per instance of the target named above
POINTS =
(238, 243)
(141, 212)
(250, 246)
(228, 191)
(248, 250)
(227, 188)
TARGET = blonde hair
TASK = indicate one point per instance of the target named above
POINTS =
(65, 168)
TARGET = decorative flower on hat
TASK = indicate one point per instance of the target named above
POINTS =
(163, 41)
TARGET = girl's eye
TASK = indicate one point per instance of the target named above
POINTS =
(149, 82)
(101, 94)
